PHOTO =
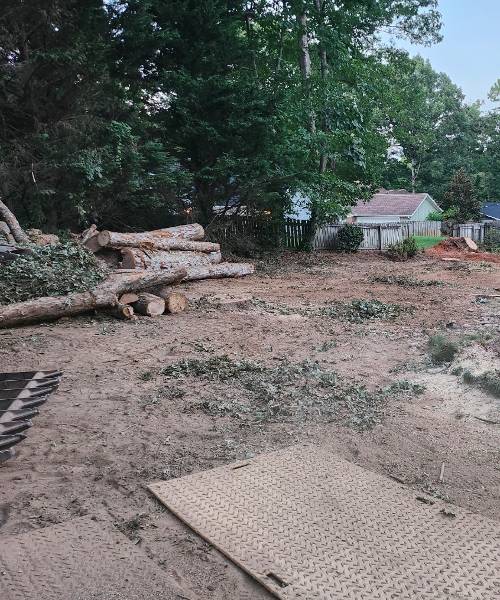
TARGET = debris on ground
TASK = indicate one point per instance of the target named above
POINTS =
(287, 392)
(462, 248)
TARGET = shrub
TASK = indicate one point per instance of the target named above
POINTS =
(491, 242)
(349, 238)
(403, 250)
(442, 350)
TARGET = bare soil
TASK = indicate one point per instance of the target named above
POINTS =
(117, 424)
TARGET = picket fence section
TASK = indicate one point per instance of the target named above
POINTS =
(296, 234)
(479, 232)
(375, 237)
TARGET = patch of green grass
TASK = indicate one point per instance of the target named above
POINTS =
(255, 393)
(428, 241)
(442, 350)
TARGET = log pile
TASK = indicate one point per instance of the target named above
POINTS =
(173, 247)
(149, 263)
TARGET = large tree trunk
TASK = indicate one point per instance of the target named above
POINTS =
(104, 295)
(150, 305)
(6, 234)
(16, 229)
(127, 240)
(135, 258)
(219, 271)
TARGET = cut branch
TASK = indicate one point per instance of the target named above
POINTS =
(16, 229)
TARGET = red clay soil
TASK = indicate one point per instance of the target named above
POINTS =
(449, 249)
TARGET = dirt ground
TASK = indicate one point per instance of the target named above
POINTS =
(116, 423)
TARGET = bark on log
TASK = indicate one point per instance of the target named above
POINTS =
(135, 258)
(132, 240)
(150, 305)
(6, 233)
(16, 229)
(219, 271)
(104, 295)
(89, 233)
(129, 298)
(175, 302)
(181, 232)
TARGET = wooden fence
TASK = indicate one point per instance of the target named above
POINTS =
(286, 233)
(375, 237)
(294, 233)
(479, 232)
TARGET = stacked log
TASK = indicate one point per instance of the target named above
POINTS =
(179, 246)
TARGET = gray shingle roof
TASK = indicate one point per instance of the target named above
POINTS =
(491, 210)
(389, 204)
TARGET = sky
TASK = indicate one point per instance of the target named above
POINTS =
(470, 50)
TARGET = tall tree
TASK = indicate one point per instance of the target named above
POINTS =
(461, 198)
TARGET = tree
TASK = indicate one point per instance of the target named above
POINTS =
(461, 198)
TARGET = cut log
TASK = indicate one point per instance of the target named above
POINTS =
(129, 298)
(134, 240)
(135, 258)
(16, 230)
(123, 311)
(92, 243)
(127, 240)
(150, 305)
(6, 234)
(104, 295)
(175, 302)
(219, 271)
(42, 239)
(471, 244)
(88, 233)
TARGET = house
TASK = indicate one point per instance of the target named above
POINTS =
(393, 206)
(491, 211)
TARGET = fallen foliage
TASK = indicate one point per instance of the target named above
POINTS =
(52, 270)
(286, 392)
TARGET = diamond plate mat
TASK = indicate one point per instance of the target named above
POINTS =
(311, 526)
(78, 560)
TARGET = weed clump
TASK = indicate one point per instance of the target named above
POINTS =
(405, 281)
(285, 392)
(54, 270)
(488, 382)
(442, 350)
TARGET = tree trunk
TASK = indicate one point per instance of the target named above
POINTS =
(135, 258)
(175, 302)
(129, 298)
(123, 311)
(127, 240)
(16, 229)
(219, 271)
(104, 295)
(6, 233)
(150, 305)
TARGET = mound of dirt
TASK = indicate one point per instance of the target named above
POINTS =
(461, 248)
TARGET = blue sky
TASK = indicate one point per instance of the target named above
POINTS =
(470, 50)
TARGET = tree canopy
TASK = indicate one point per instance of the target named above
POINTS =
(131, 112)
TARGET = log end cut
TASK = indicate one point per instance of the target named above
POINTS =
(150, 305)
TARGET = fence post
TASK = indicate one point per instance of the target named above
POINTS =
(380, 244)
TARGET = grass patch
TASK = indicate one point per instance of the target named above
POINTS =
(405, 281)
(442, 350)
(428, 241)
(49, 271)
(255, 393)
